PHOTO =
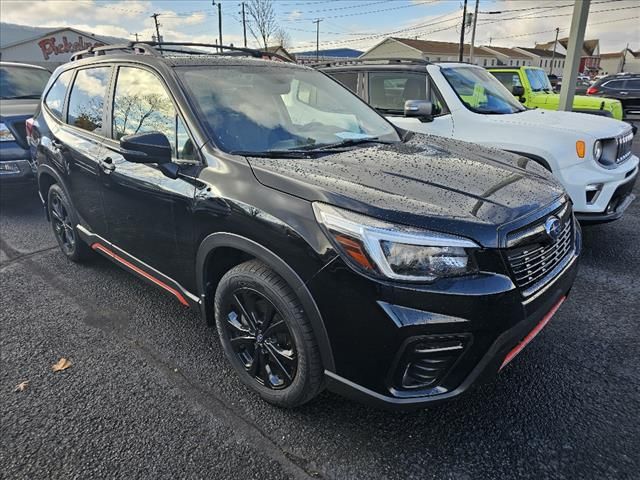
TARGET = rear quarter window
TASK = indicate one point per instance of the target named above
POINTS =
(57, 93)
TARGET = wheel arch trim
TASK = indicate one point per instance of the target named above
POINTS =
(258, 251)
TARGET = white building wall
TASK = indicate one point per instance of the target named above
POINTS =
(50, 50)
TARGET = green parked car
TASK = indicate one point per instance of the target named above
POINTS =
(532, 86)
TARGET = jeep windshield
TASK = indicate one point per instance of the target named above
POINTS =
(538, 80)
(480, 91)
(22, 82)
(267, 109)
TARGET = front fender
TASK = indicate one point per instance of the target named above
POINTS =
(225, 239)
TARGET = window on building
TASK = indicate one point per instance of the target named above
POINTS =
(517, 63)
(348, 79)
(510, 62)
(86, 102)
(141, 104)
(484, 62)
(493, 62)
(55, 98)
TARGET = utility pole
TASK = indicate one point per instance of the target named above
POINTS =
(624, 57)
(464, 22)
(473, 31)
(244, 25)
(219, 4)
(555, 44)
(136, 35)
(155, 19)
(317, 22)
(574, 52)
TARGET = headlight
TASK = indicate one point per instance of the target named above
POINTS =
(5, 134)
(395, 251)
(597, 150)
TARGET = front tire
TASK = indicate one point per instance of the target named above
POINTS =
(266, 335)
(64, 220)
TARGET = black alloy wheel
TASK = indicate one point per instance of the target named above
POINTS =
(261, 339)
(63, 220)
(62, 226)
(267, 336)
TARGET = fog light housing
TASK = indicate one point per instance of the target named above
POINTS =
(592, 192)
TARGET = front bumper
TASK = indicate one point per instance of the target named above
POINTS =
(368, 343)
(622, 197)
(608, 203)
(16, 168)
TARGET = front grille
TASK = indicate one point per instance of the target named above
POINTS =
(623, 146)
(537, 259)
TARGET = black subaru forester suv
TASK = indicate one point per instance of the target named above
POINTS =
(328, 247)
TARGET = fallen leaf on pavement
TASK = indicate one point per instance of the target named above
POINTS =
(62, 364)
(22, 386)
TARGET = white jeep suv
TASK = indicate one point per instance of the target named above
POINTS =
(591, 155)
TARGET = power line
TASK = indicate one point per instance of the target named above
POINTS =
(361, 5)
(417, 4)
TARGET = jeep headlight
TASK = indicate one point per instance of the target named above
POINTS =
(395, 251)
(597, 150)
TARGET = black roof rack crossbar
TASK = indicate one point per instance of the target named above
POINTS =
(252, 52)
(147, 48)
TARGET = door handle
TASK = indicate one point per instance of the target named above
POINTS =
(624, 93)
(106, 164)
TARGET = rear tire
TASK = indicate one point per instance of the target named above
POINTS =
(64, 221)
(266, 335)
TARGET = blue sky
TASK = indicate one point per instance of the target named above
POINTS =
(345, 23)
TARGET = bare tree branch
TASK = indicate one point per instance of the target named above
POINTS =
(282, 38)
(262, 20)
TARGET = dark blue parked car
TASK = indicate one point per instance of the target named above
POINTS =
(20, 88)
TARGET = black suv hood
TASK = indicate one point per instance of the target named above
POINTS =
(427, 181)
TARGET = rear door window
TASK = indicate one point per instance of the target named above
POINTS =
(57, 93)
(86, 102)
(633, 84)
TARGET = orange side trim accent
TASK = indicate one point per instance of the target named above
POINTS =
(151, 278)
(532, 334)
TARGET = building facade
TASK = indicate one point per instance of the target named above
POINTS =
(47, 48)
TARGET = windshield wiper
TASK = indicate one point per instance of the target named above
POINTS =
(344, 143)
(273, 153)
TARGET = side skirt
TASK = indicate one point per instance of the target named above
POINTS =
(138, 267)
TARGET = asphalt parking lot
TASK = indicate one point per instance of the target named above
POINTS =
(150, 395)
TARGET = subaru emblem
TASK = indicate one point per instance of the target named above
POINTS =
(552, 227)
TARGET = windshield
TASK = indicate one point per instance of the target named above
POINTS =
(538, 80)
(480, 92)
(265, 109)
(22, 82)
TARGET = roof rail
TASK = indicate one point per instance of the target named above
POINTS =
(136, 47)
(148, 48)
(372, 61)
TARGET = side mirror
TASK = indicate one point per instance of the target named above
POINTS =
(421, 109)
(148, 147)
(517, 91)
